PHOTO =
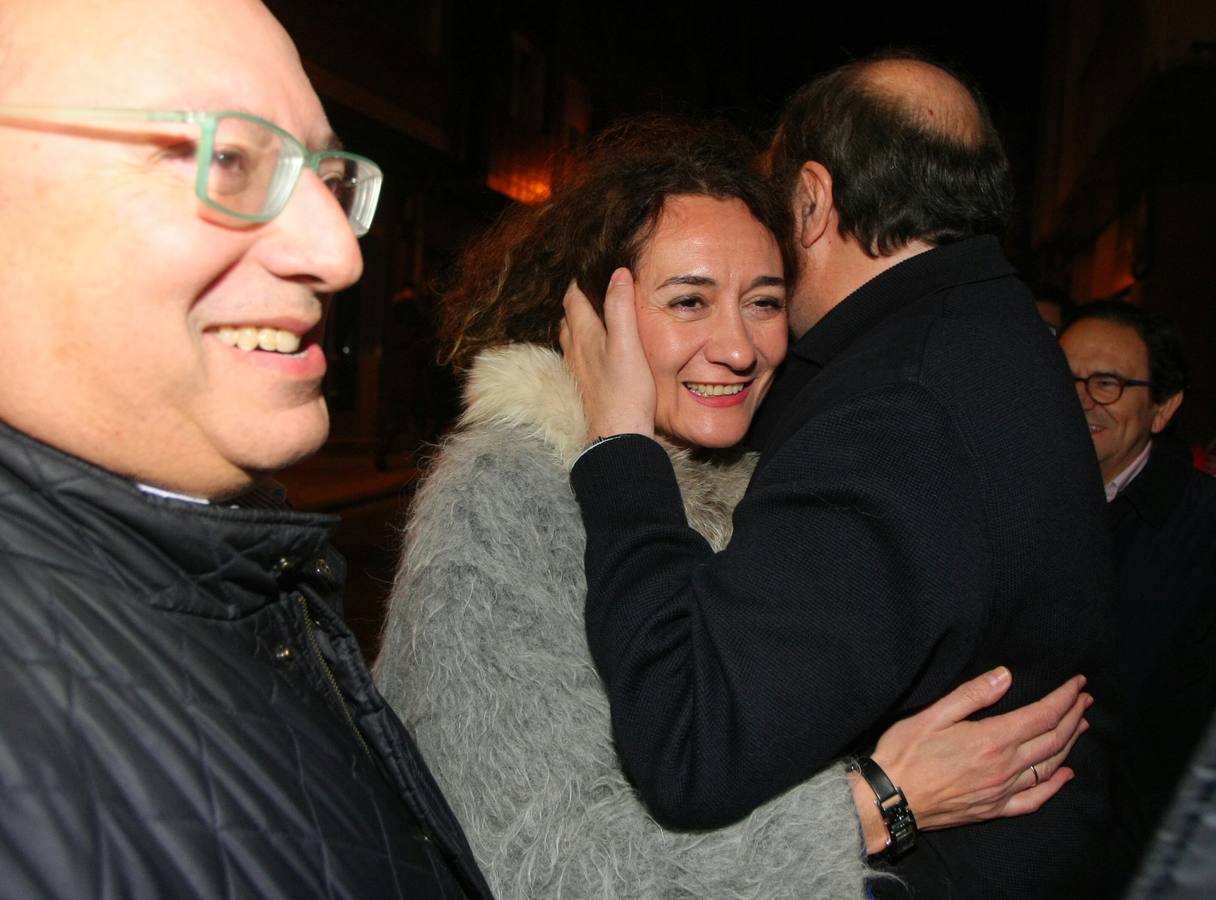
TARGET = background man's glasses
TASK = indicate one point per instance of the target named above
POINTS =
(246, 167)
(1105, 389)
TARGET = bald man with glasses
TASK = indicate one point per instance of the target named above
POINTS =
(182, 710)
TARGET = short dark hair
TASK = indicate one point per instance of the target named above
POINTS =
(509, 284)
(1167, 369)
(895, 178)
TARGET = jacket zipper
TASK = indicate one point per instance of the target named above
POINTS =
(458, 875)
(329, 675)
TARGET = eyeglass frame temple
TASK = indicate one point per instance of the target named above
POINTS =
(206, 121)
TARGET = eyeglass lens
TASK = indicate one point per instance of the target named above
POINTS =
(251, 168)
(254, 170)
(355, 184)
(1103, 389)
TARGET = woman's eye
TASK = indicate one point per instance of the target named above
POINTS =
(767, 304)
(692, 302)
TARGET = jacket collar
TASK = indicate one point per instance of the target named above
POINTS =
(208, 560)
(969, 261)
(1155, 492)
(528, 387)
(963, 262)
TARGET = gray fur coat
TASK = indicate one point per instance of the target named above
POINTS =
(484, 655)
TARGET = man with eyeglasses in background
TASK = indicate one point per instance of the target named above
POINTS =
(182, 710)
(1131, 374)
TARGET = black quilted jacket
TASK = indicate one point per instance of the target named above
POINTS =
(183, 712)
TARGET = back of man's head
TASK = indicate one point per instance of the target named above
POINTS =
(911, 150)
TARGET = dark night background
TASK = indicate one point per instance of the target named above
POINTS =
(1106, 108)
(742, 60)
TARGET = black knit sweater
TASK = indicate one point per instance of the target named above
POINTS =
(927, 506)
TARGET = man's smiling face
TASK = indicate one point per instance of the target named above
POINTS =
(1122, 429)
(127, 307)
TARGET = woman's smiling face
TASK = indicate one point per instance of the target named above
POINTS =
(711, 314)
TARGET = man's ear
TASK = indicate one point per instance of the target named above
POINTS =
(1165, 411)
(813, 204)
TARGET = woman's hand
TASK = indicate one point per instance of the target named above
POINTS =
(607, 361)
(956, 772)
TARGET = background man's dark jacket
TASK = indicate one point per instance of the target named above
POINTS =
(1181, 861)
(1165, 608)
(927, 506)
(183, 712)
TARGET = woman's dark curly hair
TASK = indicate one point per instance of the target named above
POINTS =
(509, 284)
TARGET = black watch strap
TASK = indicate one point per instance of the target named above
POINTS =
(891, 803)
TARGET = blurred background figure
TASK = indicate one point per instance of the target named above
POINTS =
(1181, 865)
(1054, 305)
(1204, 456)
(1131, 376)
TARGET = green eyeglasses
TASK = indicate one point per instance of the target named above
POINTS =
(247, 167)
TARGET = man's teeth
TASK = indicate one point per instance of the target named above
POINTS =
(714, 390)
(248, 338)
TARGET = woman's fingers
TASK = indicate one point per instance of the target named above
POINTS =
(1044, 716)
(957, 771)
(1048, 722)
(1033, 797)
(1044, 768)
(1051, 748)
(968, 698)
(1042, 772)
(580, 315)
(620, 314)
(607, 360)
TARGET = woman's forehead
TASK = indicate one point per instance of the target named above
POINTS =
(701, 231)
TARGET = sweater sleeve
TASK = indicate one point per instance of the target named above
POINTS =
(484, 655)
(857, 577)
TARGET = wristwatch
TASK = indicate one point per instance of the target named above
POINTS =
(892, 805)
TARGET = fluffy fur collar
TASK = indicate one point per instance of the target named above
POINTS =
(528, 386)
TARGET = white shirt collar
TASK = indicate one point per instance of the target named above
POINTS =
(161, 492)
(1116, 485)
